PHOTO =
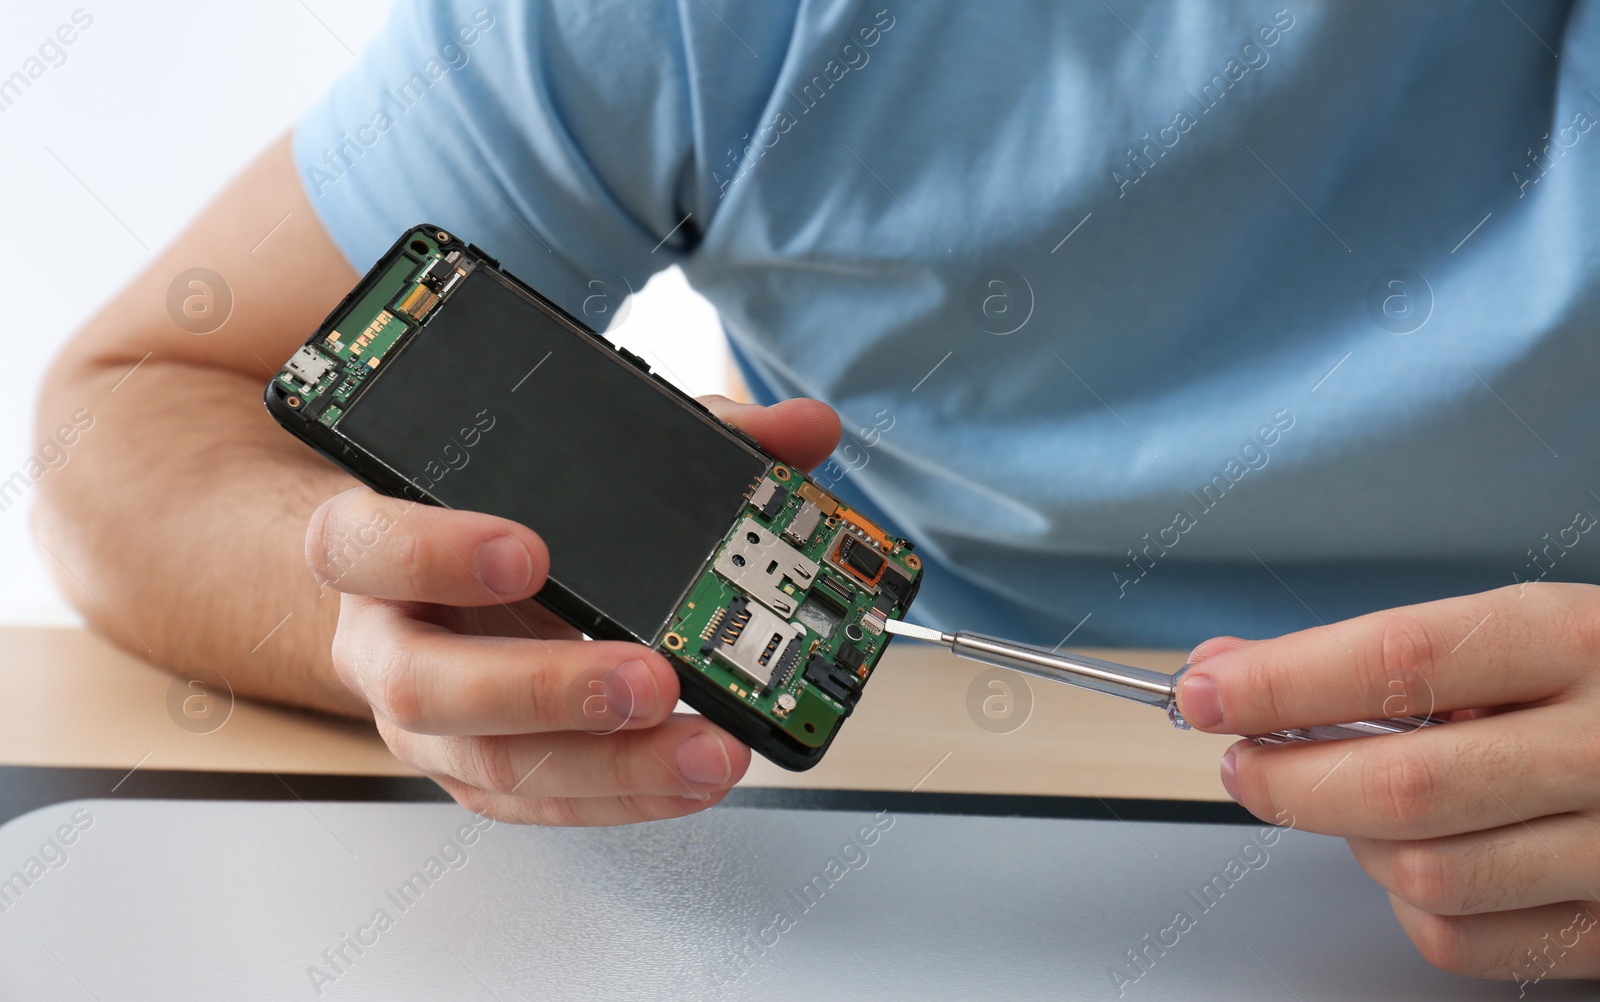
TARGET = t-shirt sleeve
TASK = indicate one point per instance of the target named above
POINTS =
(558, 135)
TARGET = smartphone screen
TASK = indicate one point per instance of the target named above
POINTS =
(443, 379)
(630, 489)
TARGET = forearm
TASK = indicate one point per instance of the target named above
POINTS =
(177, 524)
(177, 527)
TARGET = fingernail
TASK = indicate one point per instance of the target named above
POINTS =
(1200, 701)
(631, 690)
(503, 565)
(704, 799)
(1230, 779)
(703, 759)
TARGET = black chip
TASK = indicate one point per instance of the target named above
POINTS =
(315, 408)
(826, 587)
(895, 583)
(826, 677)
(839, 693)
(850, 657)
(775, 503)
(438, 273)
(860, 558)
(791, 654)
(844, 687)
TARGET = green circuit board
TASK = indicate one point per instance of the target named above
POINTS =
(323, 377)
(786, 616)
(795, 629)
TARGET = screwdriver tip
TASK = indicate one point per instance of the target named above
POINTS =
(900, 627)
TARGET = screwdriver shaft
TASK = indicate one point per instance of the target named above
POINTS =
(1139, 684)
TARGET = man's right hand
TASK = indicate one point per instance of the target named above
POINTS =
(500, 702)
(185, 479)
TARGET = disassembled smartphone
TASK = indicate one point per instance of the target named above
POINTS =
(443, 379)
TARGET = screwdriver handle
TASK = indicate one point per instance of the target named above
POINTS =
(1358, 729)
(1324, 732)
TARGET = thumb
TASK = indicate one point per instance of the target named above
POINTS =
(1199, 699)
(801, 432)
(1215, 646)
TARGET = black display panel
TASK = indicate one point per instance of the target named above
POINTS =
(631, 499)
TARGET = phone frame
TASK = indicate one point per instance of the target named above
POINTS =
(698, 691)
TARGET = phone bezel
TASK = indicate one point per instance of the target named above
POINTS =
(696, 689)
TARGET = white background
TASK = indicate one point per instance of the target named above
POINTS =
(106, 158)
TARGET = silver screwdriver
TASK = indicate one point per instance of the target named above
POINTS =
(1141, 685)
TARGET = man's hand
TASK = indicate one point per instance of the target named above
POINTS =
(1485, 831)
(503, 704)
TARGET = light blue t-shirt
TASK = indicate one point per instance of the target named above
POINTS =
(1155, 321)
